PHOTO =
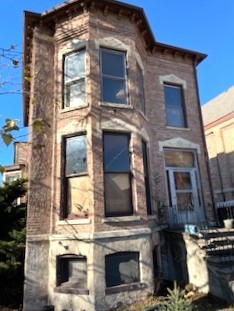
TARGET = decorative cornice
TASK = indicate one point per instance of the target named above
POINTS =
(178, 142)
(173, 79)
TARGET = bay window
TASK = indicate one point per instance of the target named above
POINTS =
(74, 79)
(75, 173)
(113, 77)
(117, 177)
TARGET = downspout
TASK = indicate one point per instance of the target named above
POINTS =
(204, 142)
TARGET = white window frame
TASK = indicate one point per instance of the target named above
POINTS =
(78, 102)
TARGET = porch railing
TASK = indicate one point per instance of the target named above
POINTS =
(225, 210)
(176, 217)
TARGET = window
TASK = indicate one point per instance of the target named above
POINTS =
(122, 268)
(146, 177)
(113, 74)
(175, 111)
(74, 79)
(76, 179)
(9, 177)
(72, 271)
(140, 83)
(117, 177)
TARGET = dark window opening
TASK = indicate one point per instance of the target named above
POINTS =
(122, 268)
(72, 271)
(141, 92)
(146, 177)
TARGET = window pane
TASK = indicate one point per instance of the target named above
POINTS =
(122, 268)
(78, 195)
(11, 177)
(182, 181)
(75, 93)
(113, 63)
(116, 153)
(140, 81)
(74, 66)
(76, 155)
(179, 158)
(174, 116)
(117, 194)
(185, 202)
(146, 175)
(114, 91)
(173, 96)
(174, 106)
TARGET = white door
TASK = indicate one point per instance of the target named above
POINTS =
(184, 195)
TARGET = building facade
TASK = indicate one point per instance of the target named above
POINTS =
(218, 118)
(116, 142)
(20, 166)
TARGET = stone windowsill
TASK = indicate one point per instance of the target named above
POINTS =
(67, 109)
(113, 105)
(78, 221)
(150, 217)
(124, 287)
(177, 128)
(71, 290)
(121, 219)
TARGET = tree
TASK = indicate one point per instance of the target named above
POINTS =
(10, 83)
(12, 242)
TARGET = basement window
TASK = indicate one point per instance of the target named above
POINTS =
(72, 274)
(122, 268)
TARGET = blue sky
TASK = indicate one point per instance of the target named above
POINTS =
(205, 26)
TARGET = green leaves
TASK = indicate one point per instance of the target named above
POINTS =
(38, 124)
(7, 138)
(10, 126)
(6, 130)
(2, 169)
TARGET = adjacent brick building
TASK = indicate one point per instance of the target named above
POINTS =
(218, 118)
(121, 145)
(20, 166)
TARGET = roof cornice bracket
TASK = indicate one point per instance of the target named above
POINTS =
(84, 7)
(105, 11)
(92, 5)
(120, 14)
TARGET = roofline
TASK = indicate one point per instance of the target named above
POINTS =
(135, 13)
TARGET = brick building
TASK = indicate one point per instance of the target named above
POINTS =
(218, 119)
(122, 144)
(20, 166)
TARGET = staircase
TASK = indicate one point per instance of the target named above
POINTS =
(218, 244)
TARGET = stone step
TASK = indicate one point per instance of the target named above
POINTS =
(222, 260)
(215, 233)
(222, 250)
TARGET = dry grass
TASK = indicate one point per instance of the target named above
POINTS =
(203, 302)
